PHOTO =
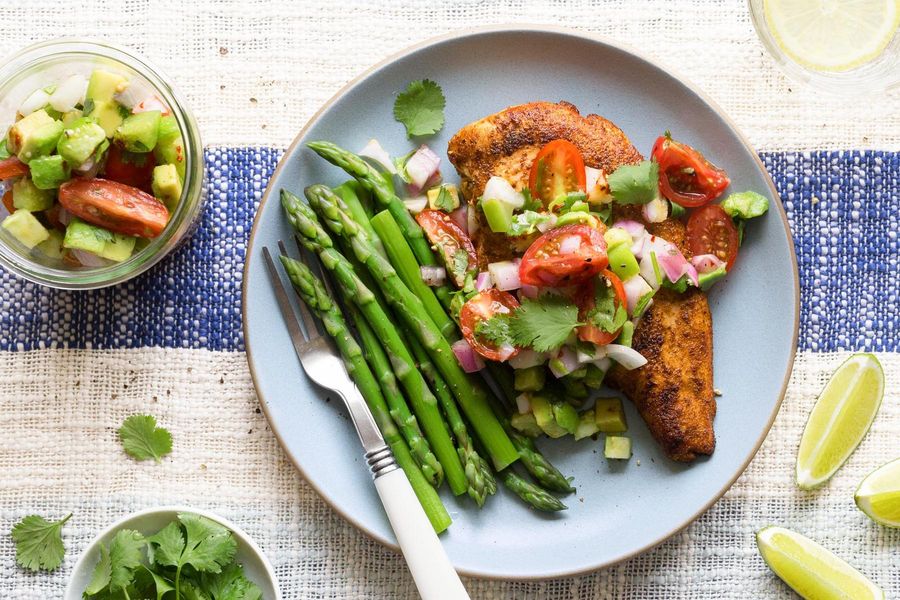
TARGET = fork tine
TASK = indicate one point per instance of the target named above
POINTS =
(298, 339)
(313, 331)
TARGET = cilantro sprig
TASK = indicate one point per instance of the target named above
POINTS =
(635, 184)
(143, 440)
(420, 108)
(542, 323)
(39, 542)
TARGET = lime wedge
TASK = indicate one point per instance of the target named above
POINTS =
(832, 35)
(811, 570)
(840, 419)
(879, 494)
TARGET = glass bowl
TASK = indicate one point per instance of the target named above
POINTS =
(45, 63)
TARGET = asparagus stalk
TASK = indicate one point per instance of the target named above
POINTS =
(350, 192)
(316, 239)
(372, 180)
(316, 298)
(470, 395)
(533, 495)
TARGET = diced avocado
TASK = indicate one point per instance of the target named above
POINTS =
(167, 185)
(617, 447)
(587, 425)
(526, 424)
(622, 262)
(69, 117)
(27, 196)
(578, 373)
(52, 246)
(120, 248)
(593, 379)
(610, 415)
(79, 141)
(140, 132)
(706, 280)
(566, 416)
(626, 334)
(615, 236)
(543, 415)
(170, 145)
(103, 85)
(99, 241)
(498, 214)
(575, 388)
(108, 115)
(34, 136)
(23, 226)
(445, 198)
(530, 379)
(49, 172)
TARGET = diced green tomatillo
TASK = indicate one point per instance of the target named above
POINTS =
(566, 416)
(170, 146)
(108, 114)
(622, 262)
(587, 425)
(610, 416)
(104, 85)
(593, 379)
(445, 198)
(526, 424)
(79, 141)
(617, 447)
(626, 334)
(70, 117)
(706, 280)
(52, 246)
(167, 185)
(615, 236)
(531, 379)
(49, 172)
(543, 414)
(498, 214)
(23, 226)
(97, 240)
(140, 132)
(27, 196)
(34, 136)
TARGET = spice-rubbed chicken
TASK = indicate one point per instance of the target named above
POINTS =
(674, 390)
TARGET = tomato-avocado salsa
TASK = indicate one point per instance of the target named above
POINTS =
(92, 169)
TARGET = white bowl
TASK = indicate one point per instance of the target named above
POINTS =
(257, 567)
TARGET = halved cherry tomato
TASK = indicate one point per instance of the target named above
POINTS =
(685, 176)
(12, 167)
(711, 231)
(450, 239)
(585, 300)
(482, 307)
(115, 206)
(557, 170)
(8, 201)
(131, 168)
(564, 256)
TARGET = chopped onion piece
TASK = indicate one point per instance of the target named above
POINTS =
(483, 281)
(471, 222)
(523, 403)
(591, 175)
(545, 226)
(89, 168)
(460, 216)
(497, 188)
(63, 216)
(505, 275)
(89, 259)
(35, 101)
(422, 165)
(416, 205)
(675, 265)
(569, 244)
(637, 232)
(150, 103)
(564, 363)
(656, 211)
(629, 358)
(647, 270)
(433, 276)
(467, 357)
(636, 287)
(527, 358)
(603, 364)
(707, 263)
(530, 291)
(505, 351)
(69, 93)
(376, 152)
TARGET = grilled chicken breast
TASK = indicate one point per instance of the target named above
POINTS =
(673, 391)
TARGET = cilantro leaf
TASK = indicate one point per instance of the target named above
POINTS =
(102, 573)
(444, 200)
(526, 222)
(210, 546)
(39, 542)
(420, 108)
(230, 584)
(166, 545)
(495, 330)
(142, 439)
(635, 184)
(745, 205)
(543, 323)
(124, 557)
(606, 315)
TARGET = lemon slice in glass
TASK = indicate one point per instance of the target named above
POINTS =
(879, 494)
(832, 35)
(840, 419)
(811, 570)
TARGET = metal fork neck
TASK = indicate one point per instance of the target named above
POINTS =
(381, 461)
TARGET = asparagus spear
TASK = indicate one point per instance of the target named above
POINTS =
(470, 395)
(533, 495)
(384, 195)
(316, 239)
(316, 298)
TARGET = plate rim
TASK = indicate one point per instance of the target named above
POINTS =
(583, 35)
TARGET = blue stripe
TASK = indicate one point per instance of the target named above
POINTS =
(843, 209)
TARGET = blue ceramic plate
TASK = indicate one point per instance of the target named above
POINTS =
(621, 508)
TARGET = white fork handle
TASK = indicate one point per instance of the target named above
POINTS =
(431, 569)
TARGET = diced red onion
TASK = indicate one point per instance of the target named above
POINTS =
(471, 222)
(637, 232)
(647, 270)
(422, 165)
(416, 205)
(63, 216)
(530, 291)
(569, 244)
(675, 265)
(483, 281)
(636, 287)
(566, 362)
(433, 276)
(656, 211)
(505, 275)
(527, 358)
(523, 403)
(707, 263)
(150, 103)
(376, 153)
(467, 357)
(629, 358)
(69, 93)
(460, 216)
(498, 188)
(505, 351)
(89, 259)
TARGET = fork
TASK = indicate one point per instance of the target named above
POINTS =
(431, 570)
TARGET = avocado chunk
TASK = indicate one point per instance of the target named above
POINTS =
(543, 415)
(566, 416)
(526, 424)
(617, 447)
(23, 226)
(27, 196)
(69, 117)
(120, 248)
(79, 141)
(103, 85)
(170, 145)
(530, 379)
(593, 379)
(706, 280)
(167, 185)
(34, 136)
(108, 115)
(140, 132)
(609, 415)
(52, 246)
(49, 172)
(587, 425)
(97, 240)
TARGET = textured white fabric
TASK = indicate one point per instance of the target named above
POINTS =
(58, 453)
(256, 71)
